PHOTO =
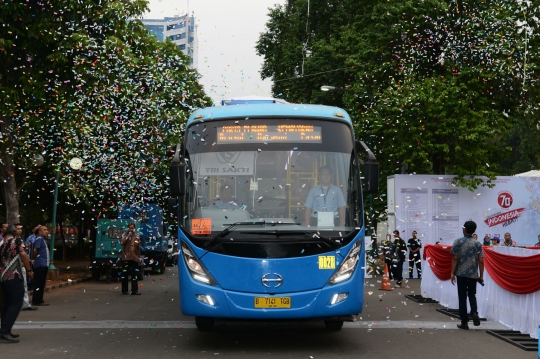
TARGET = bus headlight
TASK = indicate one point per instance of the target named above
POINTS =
(338, 298)
(346, 269)
(196, 269)
(206, 299)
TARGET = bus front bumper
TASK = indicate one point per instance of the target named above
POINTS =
(212, 301)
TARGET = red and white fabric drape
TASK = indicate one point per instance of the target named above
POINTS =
(511, 294)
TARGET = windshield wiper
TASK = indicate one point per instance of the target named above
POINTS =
(307, 235)
(317, 235)
(233, 226)
(276, 233)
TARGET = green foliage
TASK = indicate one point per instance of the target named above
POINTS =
(438, 87)
(85, 79)
(297, 46)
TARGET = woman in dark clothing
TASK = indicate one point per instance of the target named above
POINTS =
(12, 259)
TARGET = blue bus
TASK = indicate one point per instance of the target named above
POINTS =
(270, 209)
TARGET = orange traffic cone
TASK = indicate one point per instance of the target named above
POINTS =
(386, 279)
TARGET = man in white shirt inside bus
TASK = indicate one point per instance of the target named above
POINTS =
(325, 198)
(225, 200)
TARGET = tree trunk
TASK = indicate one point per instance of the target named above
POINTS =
(9, 188)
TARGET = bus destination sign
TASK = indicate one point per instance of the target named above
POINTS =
(293, 133)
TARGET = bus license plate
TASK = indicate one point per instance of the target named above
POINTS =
(272, 302)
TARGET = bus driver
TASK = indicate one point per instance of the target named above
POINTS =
(325, 198)
(225, 200)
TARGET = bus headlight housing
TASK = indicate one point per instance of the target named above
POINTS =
(195, 267)
(346, 269)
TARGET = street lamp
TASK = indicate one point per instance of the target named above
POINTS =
(371, 210)
(76, 164)
(334, 88)
(327, 88)
(53, 232)
(38, 162)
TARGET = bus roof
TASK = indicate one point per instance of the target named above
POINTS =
(269, 110)
(251, 100)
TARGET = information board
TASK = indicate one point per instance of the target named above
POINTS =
(437, 209)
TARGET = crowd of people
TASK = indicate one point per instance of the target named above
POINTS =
(23, 264)
(467, 264)
(395, 254)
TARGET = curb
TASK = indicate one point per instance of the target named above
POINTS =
(63, 284)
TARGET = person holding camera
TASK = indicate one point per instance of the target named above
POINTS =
(131, 254)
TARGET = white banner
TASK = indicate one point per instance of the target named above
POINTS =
(436, 209)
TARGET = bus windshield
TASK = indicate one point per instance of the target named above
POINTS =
(284, 176)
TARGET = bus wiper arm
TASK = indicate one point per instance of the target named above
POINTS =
(230, 229)
(277, 233)
(317, 235)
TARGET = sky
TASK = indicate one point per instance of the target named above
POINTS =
(228, 31)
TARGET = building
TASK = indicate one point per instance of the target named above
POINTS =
(176, 29)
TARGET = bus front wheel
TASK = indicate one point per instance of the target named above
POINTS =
(204, 324)
(333, 325)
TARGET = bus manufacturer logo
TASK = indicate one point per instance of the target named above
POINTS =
(505, 199)
(327, 262)
(227, 157)
(274, 280)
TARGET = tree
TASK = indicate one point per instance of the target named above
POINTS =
(299, 49)
(85, 79)
(441, 85)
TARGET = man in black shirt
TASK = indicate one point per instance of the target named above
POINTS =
(414, 244)
(388, 249)
(400, 250)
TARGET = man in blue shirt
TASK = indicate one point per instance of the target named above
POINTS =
(30, 241)
(41, 266)
(325, 198)
(468, 258)
(225, 200)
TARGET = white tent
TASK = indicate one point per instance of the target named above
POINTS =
(533, 173)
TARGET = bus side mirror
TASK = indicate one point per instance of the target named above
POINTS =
(177, 174)
(172, 204)
(178, 180)
(371, 177)
(371, 168)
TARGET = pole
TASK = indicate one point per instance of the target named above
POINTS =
(371, 211)
(53, 232)
(525, 57)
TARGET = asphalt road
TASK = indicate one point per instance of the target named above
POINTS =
(94, 320)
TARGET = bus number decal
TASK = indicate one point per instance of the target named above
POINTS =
(201, 226)
(327, 262)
